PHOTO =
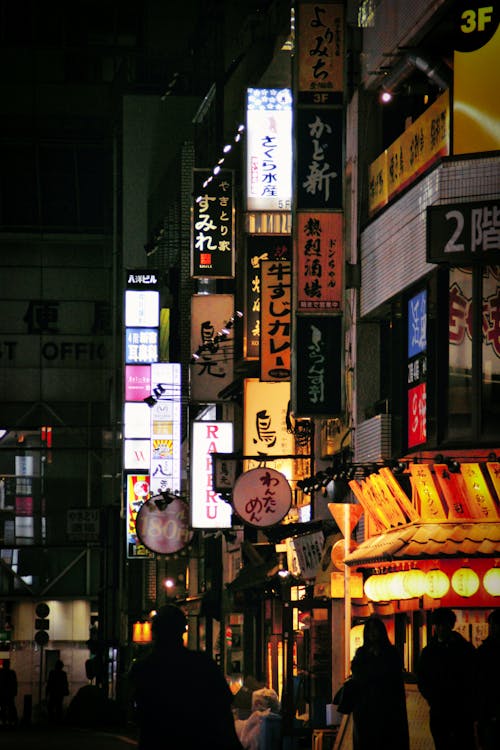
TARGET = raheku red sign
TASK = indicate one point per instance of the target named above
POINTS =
(208, 509)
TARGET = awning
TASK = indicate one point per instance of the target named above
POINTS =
(446, 539)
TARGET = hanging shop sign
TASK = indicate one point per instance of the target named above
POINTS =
(320, 42)
(262, 497)
(318, 372)
(165, 427)
(275, 316)
(212, 368)
(265, 431)
(208, 508)
(258, 249)
(319, 261)
(319, 158)
(212, 224)
(164, 527)
(269, 145)
(136, 488)
(417, 369)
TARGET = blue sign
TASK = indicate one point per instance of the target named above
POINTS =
(141, 346)
(417, 324)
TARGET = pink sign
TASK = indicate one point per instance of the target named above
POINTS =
(417, 432)
(137, 382)
(262, 497)
(164, 528)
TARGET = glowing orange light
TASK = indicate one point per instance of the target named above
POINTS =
(438, 584)
(465, 582)
(491, 581)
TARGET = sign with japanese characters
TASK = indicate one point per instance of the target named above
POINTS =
(212, 344)
(276, 300)
(262, 497)
(212, 225)
(141, 345)
(208, 509)
(265, 428)
(319, 158)
(137, 382)
(320, 42)
(165, 427)
(417, 369)
(319, 261)
(259, 248)
(317, 383)
(425, 141)
(269, 149)
(463, 233)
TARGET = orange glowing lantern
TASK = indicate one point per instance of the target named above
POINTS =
(491, 581)
(396, 587)
(438, 584)
(465, 582)
(415, 582)
(141, 632)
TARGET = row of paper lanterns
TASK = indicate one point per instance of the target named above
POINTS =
(414, 583)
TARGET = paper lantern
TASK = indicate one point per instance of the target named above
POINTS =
(415, 582)
(465, 582)
(375, 588)
(438, 584)
(141, 632)
(395, 586)
(491, 581)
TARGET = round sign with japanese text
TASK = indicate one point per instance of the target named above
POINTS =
(164, 527)
(262, 497)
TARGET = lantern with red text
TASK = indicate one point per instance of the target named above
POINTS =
(465, 582)
(438, 584)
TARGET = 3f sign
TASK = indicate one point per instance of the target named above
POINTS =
(476, 20)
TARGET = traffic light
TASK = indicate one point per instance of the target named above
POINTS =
(42, 611)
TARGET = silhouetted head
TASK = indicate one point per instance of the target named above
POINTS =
(444, 621)
(494, 623)
(169, 624)
(58, 665)
(375, 632)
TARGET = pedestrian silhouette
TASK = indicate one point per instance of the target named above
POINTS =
(447, 679)
(8, 692)
(56, 690)
(182, 699)
(488, 657)
(380, 720)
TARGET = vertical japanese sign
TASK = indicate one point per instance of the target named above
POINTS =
(269, 149)
(265, 429)
(276, 300)
(317, 384)
(208, 509)
(320, 41)
(213, 366)
(258, 249)
(319, 261)
(165, 465)
(319, 158)
(212, 225)
(417, 369)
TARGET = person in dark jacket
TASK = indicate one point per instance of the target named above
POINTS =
(488, 658)
(8, 692)
(380, 720)
(447, 679)
(182, 699)
(56, 690)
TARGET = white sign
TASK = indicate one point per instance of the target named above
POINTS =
(142, 309)
(165, 417)
(208, 509)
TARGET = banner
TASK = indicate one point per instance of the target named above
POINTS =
(275, 316)
(212, 225)
(320, 43)
(320, 260)
(318, 379)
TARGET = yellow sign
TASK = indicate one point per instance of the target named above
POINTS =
(401, 498)
(421, 144)
(265, 427)
(431, 507)
(480, 498)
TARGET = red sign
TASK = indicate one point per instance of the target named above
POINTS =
(164, 528)
(262, 497)
(319, 261)
(417, 432)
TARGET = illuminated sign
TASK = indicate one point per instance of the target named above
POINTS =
(136, 420)
(319, 261)
(417, 369)
(136, 494)
(265, 430)
(269, 149)
(213, 369)
(320, 42)
(164, 527)
(142, 309)
(141, 345)
(137, 382)
(136, 454)
(262, 497)
(165, 427)
(212, 227)
(208, 509)
(275, 316)
(320, 135)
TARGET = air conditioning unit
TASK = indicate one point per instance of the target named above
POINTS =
(372, 439)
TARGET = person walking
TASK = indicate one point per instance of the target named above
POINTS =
(380, 720)
(488, 667)
(56, 690)
(8, 692)
(446, 677)
(182, 699)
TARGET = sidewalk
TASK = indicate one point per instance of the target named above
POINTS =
(42, 736)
